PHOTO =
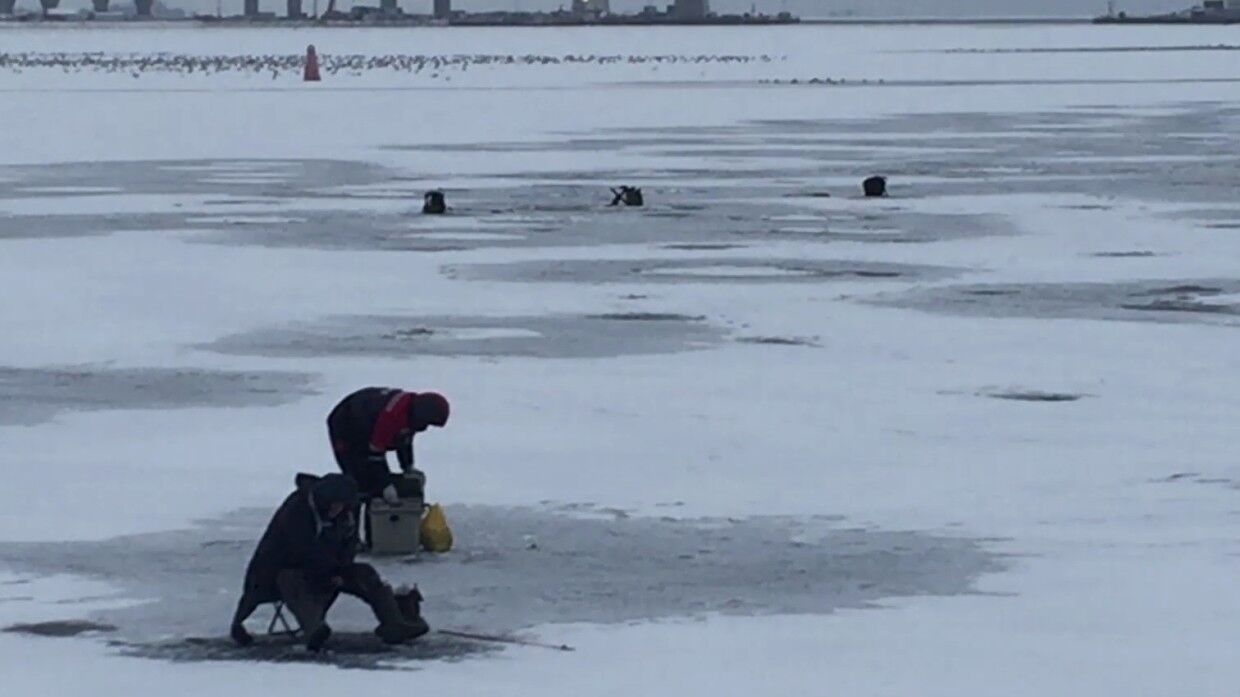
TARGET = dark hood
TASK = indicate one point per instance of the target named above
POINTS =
(428, 409)
(333, 488)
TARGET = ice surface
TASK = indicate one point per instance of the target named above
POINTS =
(1009, 383)
(519, 568)
(727, 271)
(563, 336)
(29, 395)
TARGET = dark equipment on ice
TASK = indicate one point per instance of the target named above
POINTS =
(305, 560)
(875, 187)
(628, 195)
(433, 203)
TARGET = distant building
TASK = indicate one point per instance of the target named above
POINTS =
(1217, 9)
(443, 9)
(294, 10)
(143, 9)
(251, 8)
(591, 8)
(6, 6)
(691, 9)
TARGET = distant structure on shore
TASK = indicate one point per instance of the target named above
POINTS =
(100, 10)
(1209, 12)
(389, 12)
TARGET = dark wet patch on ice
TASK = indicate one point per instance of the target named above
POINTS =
(242, 202)
(517, 568)
(1182, 289)
(1032, 396)
(697, 270)
(647, 317)
(1181, 305)
(778, 340)
(1183, 298)
(703, 247)
(1178, 476)
(33, 395)
(60, 628)
(1135, 254)
(1196, 478)
(1215, 301)
(346, 650)
(989, 292)
(550, 336)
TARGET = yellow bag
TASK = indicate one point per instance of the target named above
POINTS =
(435, 534)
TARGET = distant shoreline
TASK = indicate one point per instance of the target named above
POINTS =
(963, 21)
(423, 23)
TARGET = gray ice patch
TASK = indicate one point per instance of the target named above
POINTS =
(59, 628)
(33, 395)
(75, 225)
(539, 214)
(551, 336)
(1179, 156)
(723, 186)
(696, 270)
(1197, 300)
(323, 204)
(243, 178)
(516, 568)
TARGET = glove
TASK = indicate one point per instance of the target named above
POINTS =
(389, 495)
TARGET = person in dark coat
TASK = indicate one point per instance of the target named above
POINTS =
(306, 559)
(373, 421)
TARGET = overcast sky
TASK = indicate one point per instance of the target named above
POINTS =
(804, 8)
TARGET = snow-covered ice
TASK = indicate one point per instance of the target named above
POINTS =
(972, 439)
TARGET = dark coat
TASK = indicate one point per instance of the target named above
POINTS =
(301, 537)
(373, 421)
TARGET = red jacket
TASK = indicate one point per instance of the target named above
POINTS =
(373, 420)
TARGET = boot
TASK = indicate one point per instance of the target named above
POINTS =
(309, 607)
(245, 608)
(240, 636)
(317, 638)
(410, 604)
(393, 628)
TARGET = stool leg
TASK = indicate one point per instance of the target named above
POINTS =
(278, 617)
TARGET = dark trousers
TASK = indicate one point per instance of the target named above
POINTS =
(310, 598)
(351, 448)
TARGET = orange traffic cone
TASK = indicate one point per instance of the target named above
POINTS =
(312, 65)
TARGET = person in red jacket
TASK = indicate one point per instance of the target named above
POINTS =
(369, 423)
